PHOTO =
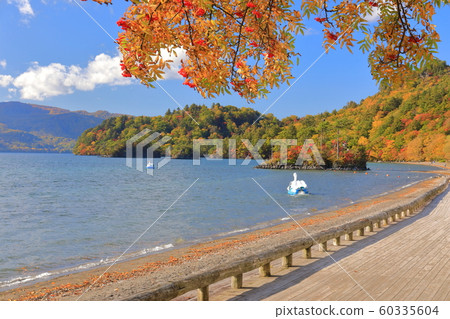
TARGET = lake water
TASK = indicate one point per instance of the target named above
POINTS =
(62, 213)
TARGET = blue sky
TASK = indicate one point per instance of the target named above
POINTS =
(52, 53)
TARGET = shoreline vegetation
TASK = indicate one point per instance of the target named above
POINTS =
(312, 167)
(406, 123)
(131, 277)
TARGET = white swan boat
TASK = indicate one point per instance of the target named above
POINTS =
(297, 187)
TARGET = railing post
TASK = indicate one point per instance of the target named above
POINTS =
(408, 212)
(370, 228)
(307, 253)
(397, 216)
(403, 214)
(203, 293)
(323, 246)
(377, 224)
(349, 236)
(286, 261)
(385, 222)
(360, 232)
(236, 281)
(337, 241)
(391, 219)
(264, 270)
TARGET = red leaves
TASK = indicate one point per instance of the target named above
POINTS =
(392, 56)
(331, 36)
(187, 3)
(249, 29)
(373, 4)
(200, 42)
(190, 84)
(200, 12)
(183, 73)
(251, 5)
(147, 17)
(320, 20)
(126, 74)
(119, 39)
(123, 24)
(414, 39)
(257, 14)
(239, 14)
(253, 43)
(268, 55)
(239, 64)
(237, 84)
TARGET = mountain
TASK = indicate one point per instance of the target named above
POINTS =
(406, 123)
(410, 122)
(38, 128)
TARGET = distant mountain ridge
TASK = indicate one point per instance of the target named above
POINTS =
(57, 110)
(40, 128)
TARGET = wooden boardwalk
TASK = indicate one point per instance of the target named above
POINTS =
(407, 260)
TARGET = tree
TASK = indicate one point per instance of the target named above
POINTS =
(392, 104)
(248, 45)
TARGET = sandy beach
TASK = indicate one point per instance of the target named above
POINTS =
(127, 279)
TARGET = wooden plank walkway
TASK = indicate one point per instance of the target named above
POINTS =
(407, 260)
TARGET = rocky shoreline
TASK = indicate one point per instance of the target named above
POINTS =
(311, 167)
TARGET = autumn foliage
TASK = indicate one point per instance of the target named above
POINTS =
(248, 46)
(410, 123)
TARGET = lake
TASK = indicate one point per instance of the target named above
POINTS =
(63, 213)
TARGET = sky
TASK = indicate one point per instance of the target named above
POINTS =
(52, 52)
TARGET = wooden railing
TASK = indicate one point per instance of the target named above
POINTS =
(262, 260)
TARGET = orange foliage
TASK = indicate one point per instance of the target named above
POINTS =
(247, 46)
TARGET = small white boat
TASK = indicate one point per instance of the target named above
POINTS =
(150, 165)
(297, 187)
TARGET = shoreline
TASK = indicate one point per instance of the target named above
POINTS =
(53, 274)
(70, 286)
(442, 165)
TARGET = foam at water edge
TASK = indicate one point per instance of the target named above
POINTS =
(101, 262)
(237, 231)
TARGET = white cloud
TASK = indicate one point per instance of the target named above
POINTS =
(40, 82)
(374, 16)
(24, 6)
(5, 80)
(310, 31)
(175, 66)
(3, 63)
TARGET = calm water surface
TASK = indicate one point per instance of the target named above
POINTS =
(62, 213)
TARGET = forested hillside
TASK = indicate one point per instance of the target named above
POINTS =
(408, 123)
(36, 128)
